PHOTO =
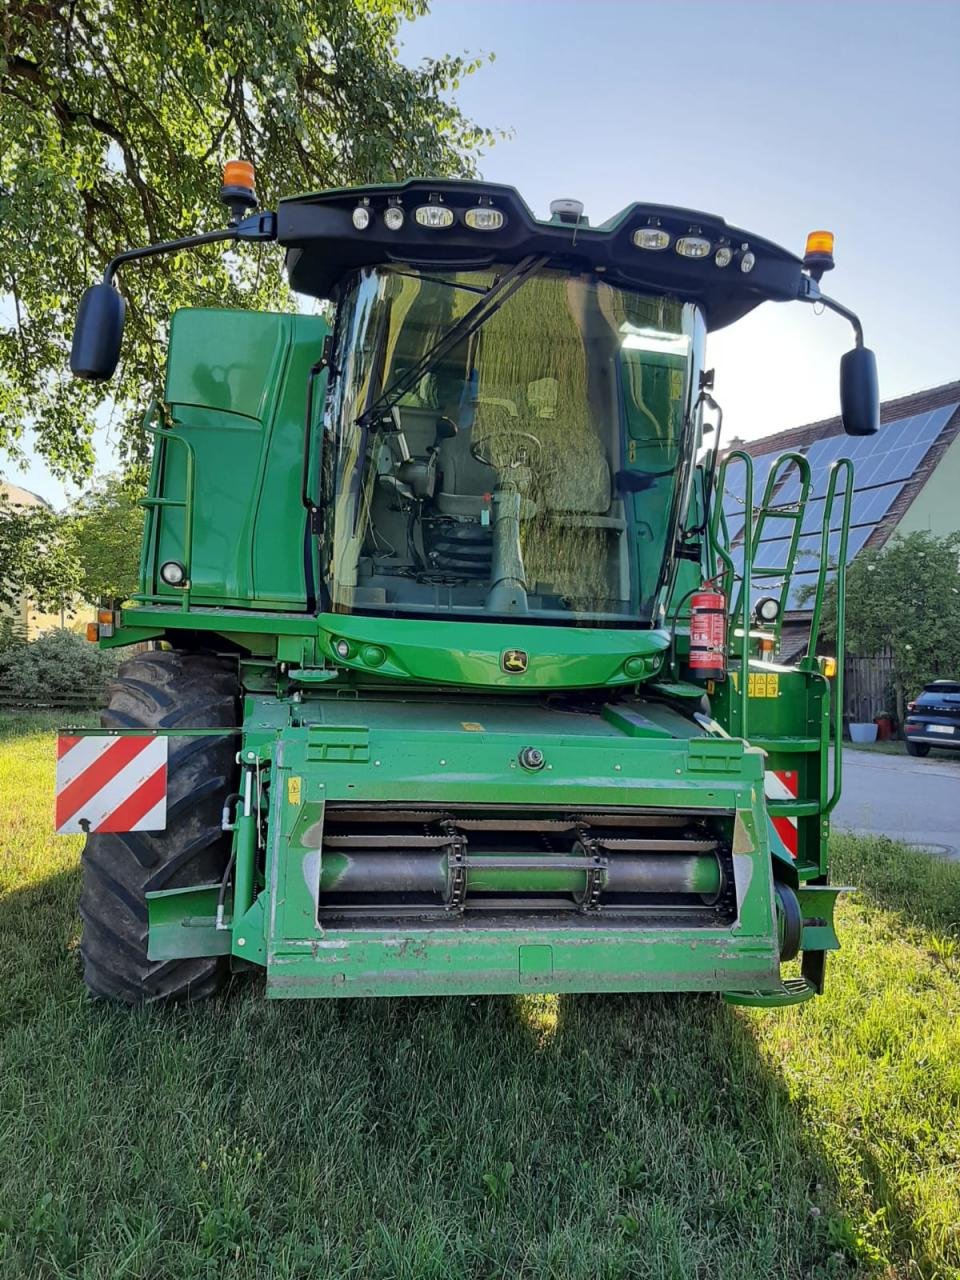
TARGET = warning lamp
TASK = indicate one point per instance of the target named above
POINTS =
(105, 621)
(239, 192)
(93, 632)
(818, 254)
(828, 667)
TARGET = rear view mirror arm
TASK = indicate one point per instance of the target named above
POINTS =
(259, 226)
(810, 292)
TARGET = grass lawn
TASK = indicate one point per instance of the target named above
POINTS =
(583, 1138)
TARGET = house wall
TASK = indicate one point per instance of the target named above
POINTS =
(936, 509)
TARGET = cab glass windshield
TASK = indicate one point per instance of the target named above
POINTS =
(534, 469)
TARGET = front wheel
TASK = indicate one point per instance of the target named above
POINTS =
(918, 749)
(162, 690)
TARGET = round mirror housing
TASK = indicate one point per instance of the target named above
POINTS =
(98, 335)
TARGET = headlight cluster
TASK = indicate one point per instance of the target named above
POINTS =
(656, 239)
(434, 215)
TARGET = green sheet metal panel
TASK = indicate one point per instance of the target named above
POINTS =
(235, 391)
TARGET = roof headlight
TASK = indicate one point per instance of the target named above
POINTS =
(651, 238)
(361, 217)
(483, 219)
(724, 256)
(434, 215)
(693, 247)
(748, 262)
(393, 218)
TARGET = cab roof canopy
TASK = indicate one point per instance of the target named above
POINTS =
(324, 244)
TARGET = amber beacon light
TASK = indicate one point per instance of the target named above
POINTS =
(239, 192)
(818, 254)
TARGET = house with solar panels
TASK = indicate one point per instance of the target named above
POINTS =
(907, 479)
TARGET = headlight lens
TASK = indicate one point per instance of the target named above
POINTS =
(693, 247)
(483, 219)
(651, 238)
(173, 573)
(393, 218)
(434, 215)
(361, 217)
(747, 262)
(724, 256)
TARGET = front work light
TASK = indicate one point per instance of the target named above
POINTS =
(651, 238)
(767, 609)
(724, 256)
(434, 215)
(483, 219)
(173, 573)
(361, 217)
(693, 247)
(393, 218)
(747, 262)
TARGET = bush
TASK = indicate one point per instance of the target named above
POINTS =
(56, 666)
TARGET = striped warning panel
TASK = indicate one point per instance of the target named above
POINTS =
(782, 784)
(111, 784)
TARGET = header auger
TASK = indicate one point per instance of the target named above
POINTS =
(461, 681)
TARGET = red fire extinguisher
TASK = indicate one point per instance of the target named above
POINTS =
(708, 633)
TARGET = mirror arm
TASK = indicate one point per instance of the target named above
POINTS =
(810, 292)
(259, 226)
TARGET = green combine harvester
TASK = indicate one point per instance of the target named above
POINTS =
(456, 672)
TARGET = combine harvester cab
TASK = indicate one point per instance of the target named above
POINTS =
(464, 673)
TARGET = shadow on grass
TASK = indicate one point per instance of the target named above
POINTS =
(922, 888)
(575, 1137)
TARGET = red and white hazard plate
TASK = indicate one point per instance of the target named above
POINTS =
(111, 784)
(782, 784)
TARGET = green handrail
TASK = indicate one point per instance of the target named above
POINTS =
(154, 409)
(719, 543)
(843, 467)
(768, 510)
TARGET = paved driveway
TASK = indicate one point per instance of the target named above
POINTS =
(917, 801)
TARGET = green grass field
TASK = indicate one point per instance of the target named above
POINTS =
(585, 1137)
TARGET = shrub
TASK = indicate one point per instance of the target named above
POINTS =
(56, 666)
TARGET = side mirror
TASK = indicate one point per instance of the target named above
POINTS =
(95, 352)
(859, 393)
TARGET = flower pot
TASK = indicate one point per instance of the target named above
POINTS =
(863, 733)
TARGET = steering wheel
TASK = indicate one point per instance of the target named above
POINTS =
(505, 448)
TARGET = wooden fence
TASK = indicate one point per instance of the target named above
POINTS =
(868, 687)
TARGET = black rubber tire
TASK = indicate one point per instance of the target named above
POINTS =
(162, 690)
(918, 749)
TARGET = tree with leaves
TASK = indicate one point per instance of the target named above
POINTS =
(115, 118)
(905, 597)
(103, 534)
(36, 561)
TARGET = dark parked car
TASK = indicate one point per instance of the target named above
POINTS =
(933, 720)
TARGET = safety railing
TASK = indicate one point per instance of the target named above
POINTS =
(151, 537)
(719, 549)
(843, 468)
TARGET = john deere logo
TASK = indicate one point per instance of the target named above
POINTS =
(513, 661)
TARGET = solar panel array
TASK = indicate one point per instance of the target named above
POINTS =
(883, 464)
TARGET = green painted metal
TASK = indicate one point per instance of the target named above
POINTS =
(182, 922)
(349, 710)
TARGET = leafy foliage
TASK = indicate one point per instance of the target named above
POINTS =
(104, 536)
(906, 596)
(35, 559)
(115, 118)
(56, 664)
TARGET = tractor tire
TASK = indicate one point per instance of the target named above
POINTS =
(162, 690)
(918, 748)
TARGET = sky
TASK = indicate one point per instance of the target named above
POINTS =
(780, 117)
